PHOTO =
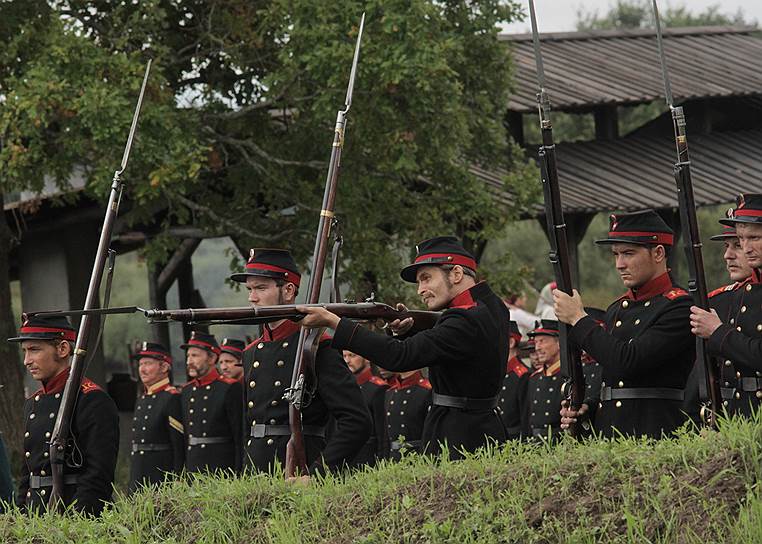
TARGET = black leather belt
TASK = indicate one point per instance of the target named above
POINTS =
(632, 393)
(36, 482)
(197, 440)
(260, 431)
(750, 384)
(151, 447)
(396, 445)
(463, 403)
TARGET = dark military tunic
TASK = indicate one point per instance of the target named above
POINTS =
(211, 408)
(544, 394)
(466, 352)
(738, 342)
(646, 350)
(512, 400)
(373, 389)
(158, 443)
(719, 300)
(89, 470)
(268, 364)
(407, 402)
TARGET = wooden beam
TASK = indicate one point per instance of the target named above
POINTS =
(606, 122)
(172, 269)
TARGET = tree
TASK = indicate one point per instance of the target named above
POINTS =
(237, 125)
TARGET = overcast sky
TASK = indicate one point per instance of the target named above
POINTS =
(561, 15)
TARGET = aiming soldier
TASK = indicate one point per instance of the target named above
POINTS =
(231, 354)
(512, 401)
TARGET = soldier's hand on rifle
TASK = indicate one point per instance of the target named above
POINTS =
(568, 309)
(401, 326)
(569, 417)
(315, 316)
(704, 323)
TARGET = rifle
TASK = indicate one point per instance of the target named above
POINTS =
(571, 362)
(709, 382)
(256, 315)
(297, 394)
(59, 439)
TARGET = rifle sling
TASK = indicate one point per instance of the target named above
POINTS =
(640, 393)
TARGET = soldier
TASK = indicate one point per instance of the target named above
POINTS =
(590, 367)
(543, 397)
(47, 344)
(739, 340)
(466, 351)
(373, 389)
(158, 443)
(231, 354)
(512, 399)
(211, 407)
(644, 348)
(720, 300)
(272, 278)
(407, 402)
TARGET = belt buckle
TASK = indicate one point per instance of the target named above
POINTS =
(258, 431)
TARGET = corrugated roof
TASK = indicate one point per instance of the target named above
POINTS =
(636, 172)
(585, 69)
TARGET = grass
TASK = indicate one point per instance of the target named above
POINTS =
(699, 487)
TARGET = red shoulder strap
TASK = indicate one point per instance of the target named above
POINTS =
(675, 292)
(88, 386)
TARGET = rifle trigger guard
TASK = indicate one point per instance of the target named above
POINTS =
(299, 395)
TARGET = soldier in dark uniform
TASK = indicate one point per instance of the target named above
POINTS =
(592, 371)
(47, 344)
(407, 402)
(466, 351)
(543, 398)
(512, 400)
(231, 354)
(373, 389)
(211, 407)
(739, 339)
(720, 300)
(645, 347)
(158, 442)
(272, 278)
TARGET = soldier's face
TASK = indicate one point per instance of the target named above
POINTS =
(637, 264)
(199, 362)
(44, 360)
(152, 370)
(750, 238)
(356, 363)
(230, 366)
(735, 260)
(547, 349)
(434, 287)
(265, 292)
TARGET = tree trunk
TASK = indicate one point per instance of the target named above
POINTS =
(11, 369)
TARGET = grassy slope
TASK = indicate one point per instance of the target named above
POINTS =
(698, 488)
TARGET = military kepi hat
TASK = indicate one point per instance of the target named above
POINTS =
(46, 328)
(644, 227)
(438, 251)
(233, 346)
(203, 341)
(154, 351)
(547, 327)
(270, 263)
(728, 231)
(748, 210)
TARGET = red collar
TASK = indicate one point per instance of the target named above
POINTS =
(284, 330)
(56, 383)
(463, 300)
(410, 381)
(212, 376)
(364, 376)
(656, 286)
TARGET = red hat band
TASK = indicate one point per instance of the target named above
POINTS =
(446, 258)
(204, 345)
(156, 355)
(71, 336)
(287, 274)
(662, 238)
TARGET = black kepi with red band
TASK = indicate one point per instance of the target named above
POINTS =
(548, 327)
(442, 250)
(748, 210)
(203, 341)
(154, 351)
(728, 231)
(270, 263)
(46, 328)
(233, 346)
(643, 227)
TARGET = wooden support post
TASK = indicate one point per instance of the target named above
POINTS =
(576, 227)
(606, 122)
(514, 124)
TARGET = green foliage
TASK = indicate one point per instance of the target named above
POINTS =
(695, 488)
(238, 119)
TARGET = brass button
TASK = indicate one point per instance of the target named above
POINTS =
(193, 399)
(260, 345)
(36, 398)
(285, 344)
(42, 492)
(738, 395)
(759, 394)
(648, 303)
(280, 363)
(759, 326)
(47, 435)
(625, 304)
(637, 321)
(738, 374)
(621, 384)
(277, 383)
(738, 328)
(252, 384)
(743, 309)
(256, 364)
(26, 434)
(31, 416)
(28, 454)
(748, 287)
(43, 473)
(270, 441)
(190, 411)
(274, 403)
(618, 324)
(727, 362)
(618, 404)
(251, 404)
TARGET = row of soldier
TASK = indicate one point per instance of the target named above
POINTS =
(642, 349)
